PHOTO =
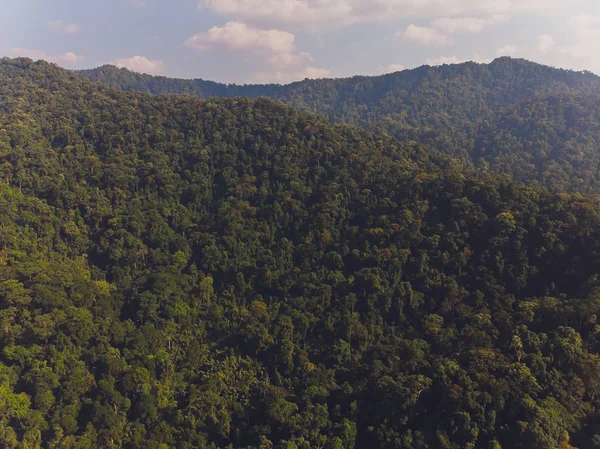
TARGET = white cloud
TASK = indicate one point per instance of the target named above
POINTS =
(506, 50)
(308, 12)
(338, 13)
(465, 25)
(585, 29)
(424, 35)
(58, 26)
(66, 59)
(291, 59)
(440, 30)
(581, 53)
(459, 25)
(544, 43)
(141, 64)
(239, 36)
(391, 68)
(584, 21)
(272, 47)
(279, 46)
(288, 77)
(481, 60)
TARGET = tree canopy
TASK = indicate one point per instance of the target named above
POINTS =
(178, 273)
(535, 123)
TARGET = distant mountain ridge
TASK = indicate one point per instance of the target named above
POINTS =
(125, 79)
(479, 113)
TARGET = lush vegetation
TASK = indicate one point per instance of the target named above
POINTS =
(178, 273)
(536, 123)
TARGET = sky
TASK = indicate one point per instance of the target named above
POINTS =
(280, 41)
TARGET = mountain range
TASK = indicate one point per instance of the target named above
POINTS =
(181, 273)
(536, 123)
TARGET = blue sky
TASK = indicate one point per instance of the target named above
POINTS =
(285, 40)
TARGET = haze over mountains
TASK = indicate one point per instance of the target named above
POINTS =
(536, 123)
(179, 273)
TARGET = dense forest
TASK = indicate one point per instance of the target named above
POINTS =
(536, 123)
(178, 273)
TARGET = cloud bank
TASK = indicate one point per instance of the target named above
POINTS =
(141, 64)
(339, 13)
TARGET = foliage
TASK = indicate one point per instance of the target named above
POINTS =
(178, 273)
(536, 123)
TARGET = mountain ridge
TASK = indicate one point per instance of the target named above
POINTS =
(450, 109)
(92, 73)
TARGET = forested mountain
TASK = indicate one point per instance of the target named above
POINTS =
(178, 273)
(536, 123)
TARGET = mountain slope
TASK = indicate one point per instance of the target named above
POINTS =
(177, 273)
(466, 110)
